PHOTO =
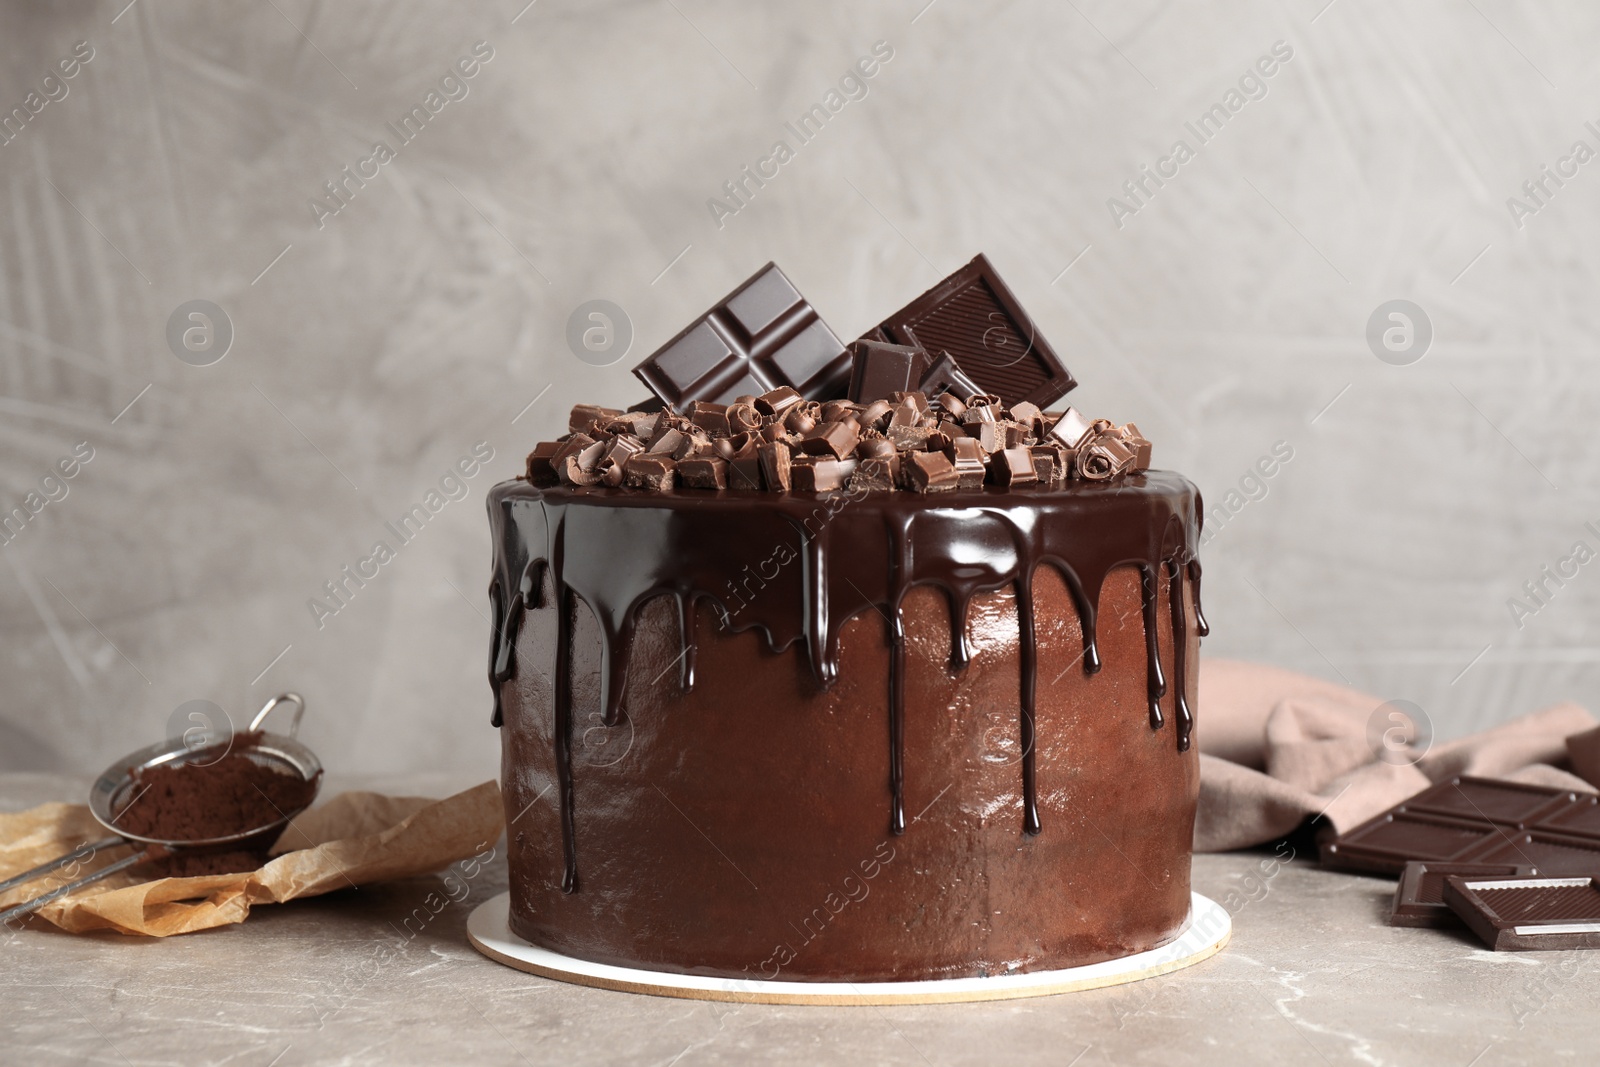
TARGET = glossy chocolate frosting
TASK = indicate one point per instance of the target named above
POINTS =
(751, 580)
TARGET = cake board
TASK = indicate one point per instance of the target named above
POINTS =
(1208, 930)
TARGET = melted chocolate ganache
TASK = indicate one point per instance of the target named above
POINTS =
(798, 566)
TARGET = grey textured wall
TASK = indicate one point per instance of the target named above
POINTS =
(373, 347)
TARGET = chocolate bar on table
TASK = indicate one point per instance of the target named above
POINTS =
(1419, 898)
(976, 318)
(1515, 914)
(762, 336)
(1477, 820)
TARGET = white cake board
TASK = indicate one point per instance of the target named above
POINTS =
(1208, 930)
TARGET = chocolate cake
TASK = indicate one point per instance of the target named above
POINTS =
(866, 688)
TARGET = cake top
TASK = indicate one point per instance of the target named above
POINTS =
(759, 394)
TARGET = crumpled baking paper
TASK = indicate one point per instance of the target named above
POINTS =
(354, 839)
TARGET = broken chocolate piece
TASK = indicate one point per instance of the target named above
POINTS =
(656, 473)
(968, 456)
(817, 474)
(778, 401)
(586, 415)
(1012, 467)
(876, 473)
(776, 467)
(879, 368)
(704, 472)
(712, 418)
(1071, 428)
(929, 472)
(744, 469)
(833, 439)
(976, 318)
(1103, 457)
(944, 375)
(541, 466)
(762, 336)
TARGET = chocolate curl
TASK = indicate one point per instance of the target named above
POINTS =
(803, 417)
(1103, 458)
(743, 418)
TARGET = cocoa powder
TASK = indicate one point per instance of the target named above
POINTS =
(198, 801)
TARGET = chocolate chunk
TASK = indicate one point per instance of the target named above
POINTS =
(968, 456)
(1517, 914)
(586, 415)
(541, 468)
(1053, 464)
(816, 474)
(879, 368)
(649, 471)
(776, 465)
(1025, 413)
(973, 316)
(1139, 445)
(874, 448)
(744, 469)
(778, 401)
(712, 418)
(1071, 428)
(909, 438)
(762, 336)
(650, 406)
(906, 413)
(704, 472)
(1012, 467)
(991, 436)
(694, 443)
(833, 439)
(944, 375)
(1419, 898)
(929, 472)
(876, 473)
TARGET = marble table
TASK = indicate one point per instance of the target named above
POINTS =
(1313, 975)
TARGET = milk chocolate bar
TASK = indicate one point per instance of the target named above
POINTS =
(761, 337)
(1419, 898)
(1477, 820)
(1518, 914)
(974, 317)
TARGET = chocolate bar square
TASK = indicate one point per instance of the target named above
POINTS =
(1385, 844)
(1507, 803)
(974, 316)
(761, 337)
(1419, 898)
(1516, 914)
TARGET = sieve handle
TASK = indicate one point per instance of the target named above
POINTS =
(150, 852)
(82, 852)
(282, 698)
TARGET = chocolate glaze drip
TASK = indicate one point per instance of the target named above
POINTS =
(812, 562)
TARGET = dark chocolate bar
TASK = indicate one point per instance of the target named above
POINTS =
(759, 338)
(1517, 914)
(1419, 898)
(1477, 820)
(974, 317)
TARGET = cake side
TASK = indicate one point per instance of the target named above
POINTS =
(719, 771)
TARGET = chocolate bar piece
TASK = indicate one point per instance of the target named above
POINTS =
(1419, 898)
(1012, 467)
(944, 375)
(929, 472)
(876, 474)
(759, 338)
(880, 368)
(974, 316)
(1518, 914)
(650, 471)
(817, 474)
(1477, 820)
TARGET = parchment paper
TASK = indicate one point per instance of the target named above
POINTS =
(352, 840)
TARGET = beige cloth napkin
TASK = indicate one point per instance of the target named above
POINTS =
(1276, 747)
